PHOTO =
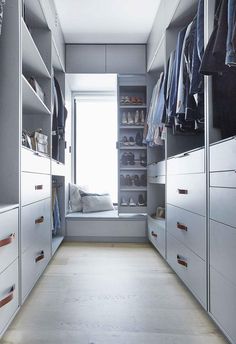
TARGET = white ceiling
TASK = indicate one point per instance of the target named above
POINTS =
(92, 82)
(106, 21)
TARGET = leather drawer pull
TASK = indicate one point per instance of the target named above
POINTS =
(39, 220)
(8, 298)
(154, 234)
(8, 240)
(181, 226)
(40, 257)
(182, 261)
(182, 191)
(38, 187)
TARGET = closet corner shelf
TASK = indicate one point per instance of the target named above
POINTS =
(134, 189)
(133, 106)
(131, 126)
(32, 104)
(32, 61)
(56, 59)
(56, 242)
(58, 168)
(6, 207)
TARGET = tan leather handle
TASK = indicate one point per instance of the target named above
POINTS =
(181, 226)
(39, 220)
(154, 234)
(38, 187)
(182, 191)
(8, 298)
(39, 257)
(8, 240)
(182, 261)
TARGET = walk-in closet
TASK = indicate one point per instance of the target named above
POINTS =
(117, 173)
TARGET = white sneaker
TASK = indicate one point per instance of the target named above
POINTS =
(130, 118)
(131, 202)
(123, 202)
(136, 118)
(142, 117)
(124, 118)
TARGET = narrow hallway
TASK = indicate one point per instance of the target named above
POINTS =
(110, 293)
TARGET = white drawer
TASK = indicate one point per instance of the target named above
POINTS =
(222, 250)
(33, 263)
(34, 187)
(9, 301)
(225, 179)
(156, 169)
(157, 234)
(189, 162)
(34, 162)
(187, 192)
(157, 180)
(223, 303)
(222, 155)
(8, 238)
(188, 266)
(188, 228)
(222, 205)
(35, 224)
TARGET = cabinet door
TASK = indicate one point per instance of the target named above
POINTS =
(83, 58)
(126, 59)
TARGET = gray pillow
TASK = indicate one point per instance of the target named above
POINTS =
(75, 202)
(96, 203)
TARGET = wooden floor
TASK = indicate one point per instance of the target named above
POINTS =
(110, 294)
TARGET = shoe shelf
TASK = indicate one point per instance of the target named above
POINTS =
(125, 168)
(133, 147)
(133, 106)
(135, 189)
(131, 126)
(127, 209)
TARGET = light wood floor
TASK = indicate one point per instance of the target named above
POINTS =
(110, 294)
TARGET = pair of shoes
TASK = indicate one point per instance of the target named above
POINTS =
(127, 158)
(139, 138)
(136, 180)
(136, 100)
(141, 201)
(127, 119)
(128, 142)
(139, 118)
(130, 203)
(125, 100)
(128, 180)
(143, 180)
(143, 160)
(122, 180)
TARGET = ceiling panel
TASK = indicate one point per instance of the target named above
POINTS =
(106, 21)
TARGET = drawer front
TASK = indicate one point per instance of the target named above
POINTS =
(9, 301)
(222, 156)
(35, 187)
(8, 238)
(222, 205)
(157, 180)
(157, 235)
(187, 192)
(188, 228)
(190, 162)
(225, 179)
(223, 303)
(35, 224)
(222, 250)
(33, 263)
(34, 162)
(188, 266)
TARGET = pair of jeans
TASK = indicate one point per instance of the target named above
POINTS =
(230, 48)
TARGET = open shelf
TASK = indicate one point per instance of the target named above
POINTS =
(56, 242)
(32, 61)
(133, 106)
(131, 126)
(32, 104)
(133, 210)
(133, 168)
(135, 189)
(133, 147)
(56, 60)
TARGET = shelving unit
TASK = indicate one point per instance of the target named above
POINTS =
(132, 89)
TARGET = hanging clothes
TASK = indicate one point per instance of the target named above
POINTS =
(2, 3)
(55, 210)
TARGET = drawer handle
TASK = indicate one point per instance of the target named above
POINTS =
(38, 187)
(182, 191)
(39, 257)
(182, 261)
(182, 155)
(8, 240)
(8, 298)
(182, 226)
(154, 234)
(39, 220)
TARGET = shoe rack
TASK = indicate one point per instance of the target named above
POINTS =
(132, 153)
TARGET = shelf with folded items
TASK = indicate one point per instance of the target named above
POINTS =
(32, 103)
(32, 61)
